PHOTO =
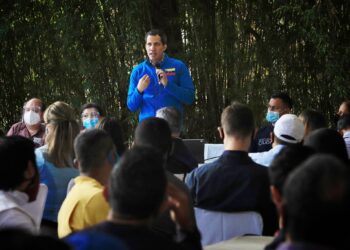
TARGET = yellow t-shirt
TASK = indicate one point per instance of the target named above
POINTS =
(84, 206)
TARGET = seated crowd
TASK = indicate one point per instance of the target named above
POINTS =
(104, 194)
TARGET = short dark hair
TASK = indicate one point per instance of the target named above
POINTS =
(15, 153)
(92, 105)
(114, 129)
(316, 200)
(91, 148)
(155, 32)
(137, 184)
(313, 119)
(343, 122)
(285, 162)
(328, 141)
(172, 116)
(285, 99)
(237, 120)
(347, 104)
(154, 132)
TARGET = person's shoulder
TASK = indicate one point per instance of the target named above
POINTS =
(16, 128)
(174, 61)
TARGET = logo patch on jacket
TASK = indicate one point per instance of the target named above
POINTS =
(170, 72)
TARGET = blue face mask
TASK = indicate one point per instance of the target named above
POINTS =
(272, 116)
(90, 123)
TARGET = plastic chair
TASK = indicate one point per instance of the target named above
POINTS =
(218, 226)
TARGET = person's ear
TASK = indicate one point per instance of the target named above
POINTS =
(276, 196)
(221, 133)
(165, 47)
(106, 193)
(272, 137)
(76, 163)
(30, 172)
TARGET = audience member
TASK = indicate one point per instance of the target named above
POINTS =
(19, 182)
(285, 162)
(180, 160)
(312, 120)
(343, 127)
(113, 128)
(288, 130)
(316, 205)
(138, 190)
(85, 204)
(278, 105)
(344, 109)
(155, 132)
(328, 141)
(18, 239)
(55, 159)
(234, 182)
(31, 125)
(90, 115)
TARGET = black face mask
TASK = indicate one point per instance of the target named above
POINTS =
(336, 118)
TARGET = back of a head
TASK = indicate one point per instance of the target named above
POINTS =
(317, 202)
(15, 153)
(285, 162)
(285, 99)
(114, 129)
(343, 123)
(172, 116)
(289, 129)
(137, 184)
(313, 120)
(92, 148)
(63, 128)
(328, 141)
(237, 120)
(154, 132)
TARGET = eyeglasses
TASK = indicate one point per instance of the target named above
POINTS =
(92, 115)
(36, 109)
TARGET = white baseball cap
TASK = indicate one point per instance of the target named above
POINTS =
(289, 128)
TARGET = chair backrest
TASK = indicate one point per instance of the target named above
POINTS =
(196, 147)
(212, 151)
(36, 208)
(218, 226)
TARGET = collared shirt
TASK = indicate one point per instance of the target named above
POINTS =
(179, 90)
(84, 206)
(12, 213)
(265, 158)
(233, 183)
(21, 129)
(346, 137)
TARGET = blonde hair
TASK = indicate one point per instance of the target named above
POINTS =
(63, 130)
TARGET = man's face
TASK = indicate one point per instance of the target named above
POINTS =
(277, 105)
(90, 113)
(155, 48)
(34, 105)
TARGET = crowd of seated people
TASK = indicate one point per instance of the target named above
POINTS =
(103, 193)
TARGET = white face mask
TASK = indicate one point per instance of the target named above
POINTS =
(31, 118)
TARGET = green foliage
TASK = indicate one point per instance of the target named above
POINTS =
(82, 51)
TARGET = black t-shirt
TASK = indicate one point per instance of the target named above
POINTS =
(262, 141)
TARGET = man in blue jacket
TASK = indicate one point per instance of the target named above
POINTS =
(160, 81)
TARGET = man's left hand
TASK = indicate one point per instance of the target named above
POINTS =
(162, 77)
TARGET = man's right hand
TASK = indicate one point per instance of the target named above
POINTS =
(143, 83)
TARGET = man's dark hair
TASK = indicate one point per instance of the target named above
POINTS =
(172, 116)
(154, 132)
(328, 141)
(285, 162)
(317, 202)
(114, 129)
(313, 119)
(238, 120)
(137, 184)
(92, 105)
(343, 122)
(92, 148)
(15, 153)
(285, 99)
(155, 32)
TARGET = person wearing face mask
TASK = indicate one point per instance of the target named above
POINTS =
(31, 125)
(344, 109)
(278, 105)
(91, 113)
(19, 182)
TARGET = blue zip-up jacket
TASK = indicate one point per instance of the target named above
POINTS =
(179, 90)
